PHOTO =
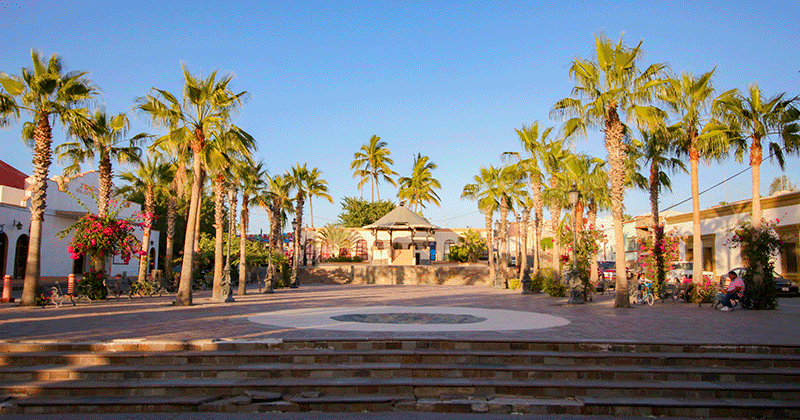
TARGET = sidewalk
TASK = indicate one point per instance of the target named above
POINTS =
(154, 318)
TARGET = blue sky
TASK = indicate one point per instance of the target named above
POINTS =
(450, 80)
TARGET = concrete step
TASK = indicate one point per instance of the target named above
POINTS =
(419, 387)
(120, 372)
(329, 356)
(133, 345)
(104, 404)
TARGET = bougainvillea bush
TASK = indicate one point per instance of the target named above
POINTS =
(666, 249)
(759, 248)
(97, 236)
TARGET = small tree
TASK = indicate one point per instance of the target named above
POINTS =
(665, 249)
(469, 249)
(589, 239)
(357, 212)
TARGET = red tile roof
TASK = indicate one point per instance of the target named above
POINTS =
(11, 176)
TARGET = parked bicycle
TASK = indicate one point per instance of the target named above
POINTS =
(644, 292)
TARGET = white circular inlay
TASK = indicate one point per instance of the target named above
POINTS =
(495, 319)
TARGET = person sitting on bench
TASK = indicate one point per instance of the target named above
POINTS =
(735, 290)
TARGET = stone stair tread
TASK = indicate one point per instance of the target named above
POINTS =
(683, 402)
(401, 352)
(353, 399)
(385, 366)
(399, 381)
(115, 400)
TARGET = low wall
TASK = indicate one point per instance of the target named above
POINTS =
(456, 275)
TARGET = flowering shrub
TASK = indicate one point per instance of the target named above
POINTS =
(653, 260)
(588, 242)
(43, 297)
(705, 292)
(759, 248)
(93, 286)
(96, 236)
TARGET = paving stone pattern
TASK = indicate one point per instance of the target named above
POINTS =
(155, 318)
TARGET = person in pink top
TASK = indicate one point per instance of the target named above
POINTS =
(735, 289)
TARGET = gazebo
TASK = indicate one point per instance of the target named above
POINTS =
(404, 249)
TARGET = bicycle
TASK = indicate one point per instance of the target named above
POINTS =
(644, 293)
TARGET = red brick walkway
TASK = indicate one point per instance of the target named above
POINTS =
(156, 319)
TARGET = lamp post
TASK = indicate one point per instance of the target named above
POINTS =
(576, 295)
(226, 295)
(295, 255)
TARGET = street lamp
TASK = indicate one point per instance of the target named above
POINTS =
(295, 255)
(576, 296)
(226, 295)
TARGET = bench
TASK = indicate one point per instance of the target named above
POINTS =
(118, 287)
(57, 296)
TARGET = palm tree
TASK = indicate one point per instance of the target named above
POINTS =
(371, 162)
(689, 99)
(484, 191)
(251, 183)
(298, 179)
(173, 194)
(554, 155)
(275, 199)
(532, 143)
(756, 118)
(225, 151)
(605, 87)
(509, 186)
(316, 187)
(658, 153)
(419, 187)
(146, 181)
(100, 138)
(43, 91)
(206, 106)
(335, 237)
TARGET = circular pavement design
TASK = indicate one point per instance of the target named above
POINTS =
(408, 319)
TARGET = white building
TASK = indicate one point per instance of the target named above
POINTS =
(717, 223)
(62, 211)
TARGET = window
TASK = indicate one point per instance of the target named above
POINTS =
(789, 257)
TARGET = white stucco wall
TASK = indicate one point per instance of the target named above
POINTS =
(55, 260)
(721, 220)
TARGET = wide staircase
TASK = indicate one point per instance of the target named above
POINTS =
(426, 375)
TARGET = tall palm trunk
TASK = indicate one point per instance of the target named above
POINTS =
(199, 212)
(184, 297)
(657, 234)
(755, 163)
(149, 208)
(105, 185)
(298, 248)
(219, 228)
(555, 219)
(270, 277)
(523, 264)
(538, 209)
(504, 241)
(490, 246)
(756, 153)
(276, 240)
(616, 159)
(172, 213)
(697, 240)
(243, 225)
(42, 158)
(591, 215)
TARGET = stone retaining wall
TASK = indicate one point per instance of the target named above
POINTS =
(456, 275)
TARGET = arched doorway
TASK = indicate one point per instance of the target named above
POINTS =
(3, 253)
(151, 260)
(361, 250)
(21, 257)
(311, 252)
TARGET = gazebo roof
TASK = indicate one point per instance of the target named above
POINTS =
(401, 218)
